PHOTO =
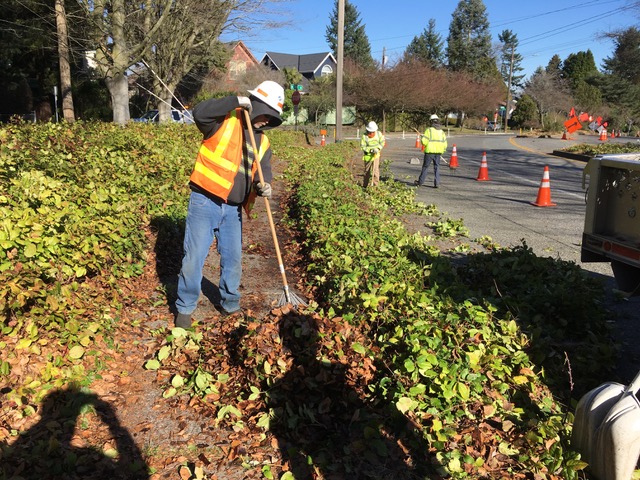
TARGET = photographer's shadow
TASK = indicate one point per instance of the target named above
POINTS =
(47, 450)
(323, 427)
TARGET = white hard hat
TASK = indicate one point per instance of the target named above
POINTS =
(434, 117)
(372, 127)
(270, 93)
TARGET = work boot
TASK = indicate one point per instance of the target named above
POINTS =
(183, 320)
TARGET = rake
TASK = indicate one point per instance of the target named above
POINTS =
(287, 297)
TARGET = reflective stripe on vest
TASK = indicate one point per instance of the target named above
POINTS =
(219, 158)
(366, 142)
(434, 144)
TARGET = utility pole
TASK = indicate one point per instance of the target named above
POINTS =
(339, 70)
(506, 112)
(384, 117)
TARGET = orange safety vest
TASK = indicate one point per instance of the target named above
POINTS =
(220, 158)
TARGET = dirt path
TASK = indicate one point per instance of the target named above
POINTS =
(123, 409)
(172, 432)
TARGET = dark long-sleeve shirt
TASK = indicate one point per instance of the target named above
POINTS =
(209, 116)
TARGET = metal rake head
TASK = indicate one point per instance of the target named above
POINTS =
(290, 298)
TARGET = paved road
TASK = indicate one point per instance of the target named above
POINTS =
(501, 208)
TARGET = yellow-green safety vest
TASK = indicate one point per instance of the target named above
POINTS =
(434, 141)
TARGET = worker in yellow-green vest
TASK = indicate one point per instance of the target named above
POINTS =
(371, 143)
(435, 144)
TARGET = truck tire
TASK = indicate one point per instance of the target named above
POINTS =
(627, 277)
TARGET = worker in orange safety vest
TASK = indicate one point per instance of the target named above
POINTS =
(224, 180)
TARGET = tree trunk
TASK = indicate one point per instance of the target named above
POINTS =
(163, 94)
(117, 63)
(164, 109)
(65, 69)
(119, 90)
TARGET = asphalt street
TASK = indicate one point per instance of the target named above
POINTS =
(501, 207)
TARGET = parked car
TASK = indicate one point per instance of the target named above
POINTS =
(180, 116)
(493, 126)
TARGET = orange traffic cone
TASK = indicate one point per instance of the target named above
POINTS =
(613, 134)
(483, 173)
(453, 163)
(418, 141)
(544, 192)
(564, 135)
(603, 135)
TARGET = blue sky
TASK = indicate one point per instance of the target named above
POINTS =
(543, 28)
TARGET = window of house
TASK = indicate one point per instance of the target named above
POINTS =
(326, 70)
(237, 68)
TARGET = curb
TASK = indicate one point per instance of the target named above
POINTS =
(573, 156)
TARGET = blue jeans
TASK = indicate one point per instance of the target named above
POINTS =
(207, 219)
(430, 158)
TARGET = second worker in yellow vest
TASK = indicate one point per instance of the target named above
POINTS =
(435, 144)
(371, 143)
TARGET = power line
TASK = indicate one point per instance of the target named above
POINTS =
(571, 26)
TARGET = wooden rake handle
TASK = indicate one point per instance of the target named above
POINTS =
(266, 202)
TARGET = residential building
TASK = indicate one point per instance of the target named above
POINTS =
(241, 60)
(312, 65)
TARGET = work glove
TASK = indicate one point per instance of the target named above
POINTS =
(245, 103)
(263, 189)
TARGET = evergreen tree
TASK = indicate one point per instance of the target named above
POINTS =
(28, 57)
(469, 41)
(554, 67)
(581, 75)
(427, 48)
(356, 42)
(625, 61)
(510, 60)
(526, 113)
(621, 81)
(579, 67)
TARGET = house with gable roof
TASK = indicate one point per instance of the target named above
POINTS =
(312, 65)
(241, 60)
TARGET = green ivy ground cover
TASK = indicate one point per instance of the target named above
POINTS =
(474, 354)
(75, 204)
(458, 346)
(604, 148)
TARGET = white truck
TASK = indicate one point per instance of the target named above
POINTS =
(612, 220)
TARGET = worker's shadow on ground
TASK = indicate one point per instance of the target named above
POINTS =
(49, 450)
(324, 428)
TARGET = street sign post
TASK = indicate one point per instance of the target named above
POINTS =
(295, 99)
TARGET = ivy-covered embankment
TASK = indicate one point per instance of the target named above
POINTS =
(485, 356)
(481, 356)
(76, 202)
